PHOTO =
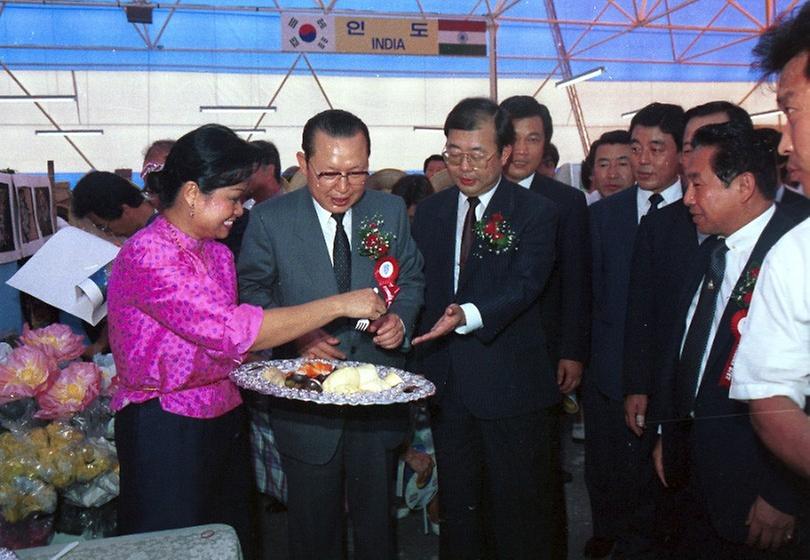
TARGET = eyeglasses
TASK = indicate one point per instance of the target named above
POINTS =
(332, 178)
(477, 160)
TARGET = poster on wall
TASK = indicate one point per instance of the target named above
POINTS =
(9, 241)
(36, 211)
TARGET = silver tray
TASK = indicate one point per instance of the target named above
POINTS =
(413, 387)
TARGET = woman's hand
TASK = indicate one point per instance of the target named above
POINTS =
(362, 304)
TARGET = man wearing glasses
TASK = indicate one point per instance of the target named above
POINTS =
(489, 250)
(304, 246)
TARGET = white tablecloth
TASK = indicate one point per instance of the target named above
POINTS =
(205, 542)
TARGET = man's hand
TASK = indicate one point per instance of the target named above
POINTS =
(319, 344)
(635, 412)
(767, 526)
(389, 331)
(658, 461)
(452, 319)
(569, 375)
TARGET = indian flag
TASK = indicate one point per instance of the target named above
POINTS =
(463, 38)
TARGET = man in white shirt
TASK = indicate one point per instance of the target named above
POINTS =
(772, 366)
(737, 501)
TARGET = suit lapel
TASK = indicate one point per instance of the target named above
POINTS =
(723, 342)
(312, 248)
(362, 267)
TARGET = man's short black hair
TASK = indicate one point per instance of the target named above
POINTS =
(104, 194)
(735, 113)
(610, 137)
(782, 42)
(269, 156)
(471, 113)
(335, 123)
(739, 150)
(669, 118)
(431, 157)
(412, 188)
(551, 154)
(526, 106)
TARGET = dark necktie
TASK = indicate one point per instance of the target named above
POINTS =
(655, 199)
(697, 336)
(467, 232)
(341, 255)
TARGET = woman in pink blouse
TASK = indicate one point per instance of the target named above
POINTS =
(176, 332)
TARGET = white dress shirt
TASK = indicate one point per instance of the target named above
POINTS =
(672, 193)
(740, 246)
(329, 227)
(773, 358)
(471, 312)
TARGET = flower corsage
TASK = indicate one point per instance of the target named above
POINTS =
(741, 297)
(495, 234)
(375, 244)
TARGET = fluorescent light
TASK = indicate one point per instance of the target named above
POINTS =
(427, 127)
(581, 77)
(71, 132)
(236, 109)
(764, 114)
(630, 114)
(251, 130)
(37, 98)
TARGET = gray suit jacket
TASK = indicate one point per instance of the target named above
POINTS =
(285, 261)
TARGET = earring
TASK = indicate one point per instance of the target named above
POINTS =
(192, 211)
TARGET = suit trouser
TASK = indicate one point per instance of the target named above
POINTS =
(497, 482)
(619, 476)
(178, 471)
(360, 475)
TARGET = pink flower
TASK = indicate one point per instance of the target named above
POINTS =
(74, 388)
(27, 372)
(56, 340)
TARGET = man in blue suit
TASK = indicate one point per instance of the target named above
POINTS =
(615, 459)
(489, 250)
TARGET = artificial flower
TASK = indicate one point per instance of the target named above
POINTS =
(72, 390)
(56, 340)
(26, 372)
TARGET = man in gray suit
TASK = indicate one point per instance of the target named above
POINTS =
(301, 247)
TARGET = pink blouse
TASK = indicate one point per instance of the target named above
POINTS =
(175, 328)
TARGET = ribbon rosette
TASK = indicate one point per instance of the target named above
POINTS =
(57, 341)
(72, 390)
(27, 371)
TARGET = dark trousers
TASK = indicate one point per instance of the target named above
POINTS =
(619, 476)
(359, 475)
(178, 471)
(498, 481)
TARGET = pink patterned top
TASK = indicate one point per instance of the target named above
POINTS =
(175, 328)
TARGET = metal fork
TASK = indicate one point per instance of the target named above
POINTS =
(363, 324)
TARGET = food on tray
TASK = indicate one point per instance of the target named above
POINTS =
(321, 376)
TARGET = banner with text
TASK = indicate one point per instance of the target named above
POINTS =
(303, 32)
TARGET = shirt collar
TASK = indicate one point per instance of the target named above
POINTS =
(526, 182)
(182, 239)
(744, 238)
(483, 199)
(324, 215)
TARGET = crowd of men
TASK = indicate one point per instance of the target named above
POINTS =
(676, 291)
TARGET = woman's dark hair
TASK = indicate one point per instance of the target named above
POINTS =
(412, 188)
(335, 123)
(212, 156)
(473, 112)
(104, 194)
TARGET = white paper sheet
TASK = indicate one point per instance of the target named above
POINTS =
(60, 273)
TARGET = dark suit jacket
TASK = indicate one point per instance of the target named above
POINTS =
(719, 449)
(666, 244)
(566, 301)
(614, 221)
(284, 261)
(503, 368)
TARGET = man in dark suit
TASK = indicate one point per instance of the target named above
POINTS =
(566, 300)
(614, 457)
(304, 246)
(739, 501)
(489, 250)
